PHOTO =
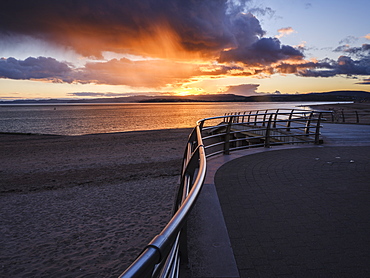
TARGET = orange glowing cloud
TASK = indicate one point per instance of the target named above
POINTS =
(147, 73)
(284, 32)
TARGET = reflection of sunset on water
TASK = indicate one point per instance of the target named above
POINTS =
(107, 118)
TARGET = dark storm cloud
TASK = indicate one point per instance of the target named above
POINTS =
(264, 51)
(91, 26)
(356, 62)
(34, 68)
(362, 51)
(343, 66)
(147, 27)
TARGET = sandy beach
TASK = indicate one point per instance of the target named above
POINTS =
(84, 206)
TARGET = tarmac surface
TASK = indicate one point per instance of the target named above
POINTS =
(299, 212)
(293, 211)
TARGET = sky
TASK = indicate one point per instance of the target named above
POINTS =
(89, 48)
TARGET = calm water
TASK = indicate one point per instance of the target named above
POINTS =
(107, 118)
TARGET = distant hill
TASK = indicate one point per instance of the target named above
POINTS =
(325, 96)
(199, 98)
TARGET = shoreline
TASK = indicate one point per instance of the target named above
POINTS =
(88, 134)
(347, 106)
(350, 113)
(86, 205)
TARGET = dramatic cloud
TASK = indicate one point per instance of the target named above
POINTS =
(149, 27)
(263, 52)
(356, 62)
(178, 41)
(34, 68)
(343, 66)
(141, 73)
(363, 51)
(178, 29)
(243, 89)
(151, 73)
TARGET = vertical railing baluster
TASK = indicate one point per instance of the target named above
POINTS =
(227, 137)
(264, 118)
(357, 118)
(255, 118)
(288, 123)
(317, 132)
(276, 114)
(308, 123)
(267, 133)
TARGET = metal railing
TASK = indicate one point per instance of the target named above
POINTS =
(161, 257)
(261, 128)
(351, 116)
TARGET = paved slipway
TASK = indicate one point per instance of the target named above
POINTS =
(295, 211)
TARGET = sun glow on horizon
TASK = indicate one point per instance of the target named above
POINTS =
(187, 91)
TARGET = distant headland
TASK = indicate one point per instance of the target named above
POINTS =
(356, 96)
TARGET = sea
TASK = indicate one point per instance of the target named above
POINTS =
(79, 119)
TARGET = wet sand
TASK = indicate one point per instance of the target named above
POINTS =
(84, 206)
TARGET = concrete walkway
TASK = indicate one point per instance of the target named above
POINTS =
(287, 211)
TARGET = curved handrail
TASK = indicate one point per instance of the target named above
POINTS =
(154, 256)
(240, 130)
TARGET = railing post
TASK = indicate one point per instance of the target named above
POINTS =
(243, 116)
(308, 123)
(289, 120)
(317, 133)
(237, 118)
(344, 120)
(267, 134)
(357, 118)
(201, 126)
(276, 114)
(264, 118)
(227, 136)
(255, 118)
(249, 117)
